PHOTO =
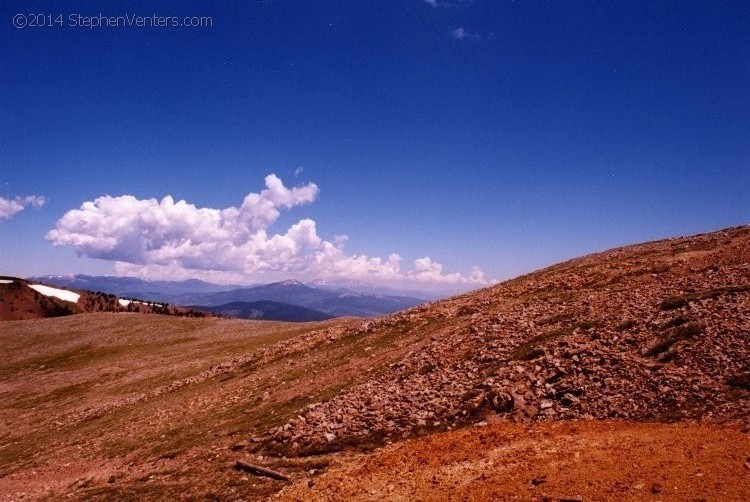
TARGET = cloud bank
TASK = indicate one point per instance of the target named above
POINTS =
(9, 207)
(174, 240)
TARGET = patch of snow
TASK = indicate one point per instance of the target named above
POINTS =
(6, 281)
(62, 294)
(125, 303)
(290, 282)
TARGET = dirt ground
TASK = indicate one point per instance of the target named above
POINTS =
(562, 461)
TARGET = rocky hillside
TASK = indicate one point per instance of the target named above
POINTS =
(656, 331)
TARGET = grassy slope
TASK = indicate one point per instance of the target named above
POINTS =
(132, 397)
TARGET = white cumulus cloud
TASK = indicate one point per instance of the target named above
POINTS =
(461, 33)
(176, 240)
(9, 207)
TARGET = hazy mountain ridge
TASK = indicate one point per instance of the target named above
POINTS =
(331, 303)
(353, 286)
(164, 291)
(268, 311)
(335, 302)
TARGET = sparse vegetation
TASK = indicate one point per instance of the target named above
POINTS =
(660, 268)
(672, 336)
(741, 381)
(675, 302)
(554, 319)
(532, 350)
(675, 321)
(552, 334)
(626, 325)
(525, 352)
(588, 324)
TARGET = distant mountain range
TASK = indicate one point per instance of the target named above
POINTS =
(179, 292)
(268, 311)
(289, 300)
(343, 285)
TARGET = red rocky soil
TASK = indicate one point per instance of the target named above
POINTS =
(559, 461)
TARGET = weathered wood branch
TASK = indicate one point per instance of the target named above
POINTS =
(260, 471)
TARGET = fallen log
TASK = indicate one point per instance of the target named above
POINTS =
(260, 471)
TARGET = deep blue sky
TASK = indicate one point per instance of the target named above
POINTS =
(551, 129)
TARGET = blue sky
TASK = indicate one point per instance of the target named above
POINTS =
(499, 135)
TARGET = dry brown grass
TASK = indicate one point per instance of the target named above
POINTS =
(128, 397)
(93, 395)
